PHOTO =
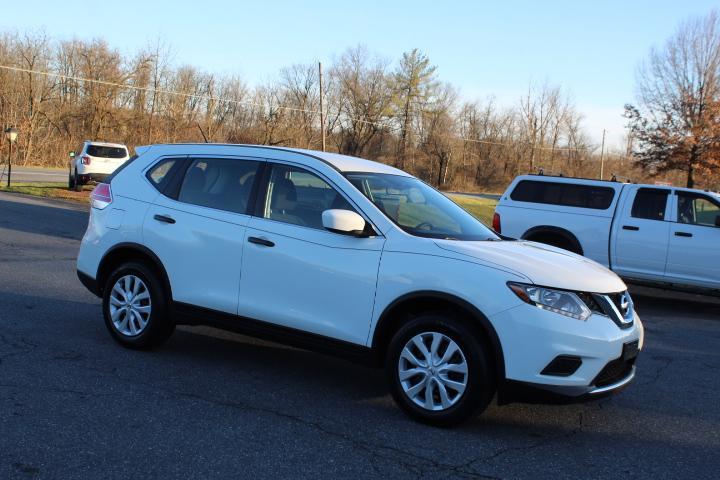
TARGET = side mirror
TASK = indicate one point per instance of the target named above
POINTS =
(345, 222)
(71, 154)
(717, 221)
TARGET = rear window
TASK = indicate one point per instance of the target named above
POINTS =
(565, 194)
(106, 152)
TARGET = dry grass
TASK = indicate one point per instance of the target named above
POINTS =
(49, 190)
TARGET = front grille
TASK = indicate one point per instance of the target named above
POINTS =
(617, 306)
(621, 301)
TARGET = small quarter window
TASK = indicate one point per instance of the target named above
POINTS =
(160, 174)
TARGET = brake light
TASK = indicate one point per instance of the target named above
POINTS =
(85, 160)
(496, 223)
(101, 196)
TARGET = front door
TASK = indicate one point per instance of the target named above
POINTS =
(297, 274)
(694, 253)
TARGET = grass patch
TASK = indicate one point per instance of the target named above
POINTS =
(49, 190)
(480, 208)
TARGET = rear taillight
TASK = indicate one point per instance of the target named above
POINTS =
(101, 196)
(496, 222)
(85, 160)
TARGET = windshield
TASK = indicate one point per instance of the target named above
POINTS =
(418, 208)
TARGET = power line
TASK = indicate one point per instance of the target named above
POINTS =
(269, 107)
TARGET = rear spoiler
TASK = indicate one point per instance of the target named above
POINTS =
(139, 151)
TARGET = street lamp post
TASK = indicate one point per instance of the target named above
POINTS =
(11, 134)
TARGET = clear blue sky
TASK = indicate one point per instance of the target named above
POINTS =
(591, 48)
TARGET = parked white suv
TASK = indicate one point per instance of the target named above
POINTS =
(654, 234)
(356, 258)
(95, 161)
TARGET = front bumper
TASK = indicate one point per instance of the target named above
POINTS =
(532, 338)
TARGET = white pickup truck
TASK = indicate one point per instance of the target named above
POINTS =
(648, 233)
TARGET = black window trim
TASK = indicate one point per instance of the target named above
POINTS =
(677, 194)
(613, 199)
(261, 196)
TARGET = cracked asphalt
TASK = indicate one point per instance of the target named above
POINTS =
(73, 404)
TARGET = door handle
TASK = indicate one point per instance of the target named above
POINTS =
(683, 234)
(164, 219)
(631, 227)
(261, 241)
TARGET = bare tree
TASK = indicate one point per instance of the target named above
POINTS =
(676, 122)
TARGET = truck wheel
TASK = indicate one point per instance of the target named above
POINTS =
(135, 307)
(439, 370)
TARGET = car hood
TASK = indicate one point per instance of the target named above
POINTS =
(542, 264)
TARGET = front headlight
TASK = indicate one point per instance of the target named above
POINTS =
(558, 301)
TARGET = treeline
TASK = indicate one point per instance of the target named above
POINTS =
(398, 112)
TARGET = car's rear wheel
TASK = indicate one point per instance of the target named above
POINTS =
(439, 370)
(135, 307)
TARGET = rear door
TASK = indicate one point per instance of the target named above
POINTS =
(642, 231)
(694, 252)
(197, 229)
(299, 275)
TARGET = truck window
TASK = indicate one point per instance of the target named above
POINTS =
(697, 209)
(650, 203)
(565, 194)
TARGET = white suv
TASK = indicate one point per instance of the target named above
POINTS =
(356, 258)
(95, 161)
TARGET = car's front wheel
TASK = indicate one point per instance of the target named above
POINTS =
(439, 370)
(135, 307)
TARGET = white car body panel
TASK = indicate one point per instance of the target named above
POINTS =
(339, 286)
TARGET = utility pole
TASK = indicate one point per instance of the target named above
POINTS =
(602, 158)
(322, 106)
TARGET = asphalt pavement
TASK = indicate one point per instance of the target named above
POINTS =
(74, 404)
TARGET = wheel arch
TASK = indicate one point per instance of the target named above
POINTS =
(127, 251)
(405, 306)
(550, 230)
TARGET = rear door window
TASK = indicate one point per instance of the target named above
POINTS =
(220, 183)
(650, 203)
(565, 194)
(106, 152)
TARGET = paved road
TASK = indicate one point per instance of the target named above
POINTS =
(73, 404)
(25, 174)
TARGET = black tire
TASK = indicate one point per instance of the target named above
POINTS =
(159, 324)
(481, 381)
(71, 182)
(76, 182)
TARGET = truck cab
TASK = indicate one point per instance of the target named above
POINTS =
(658, 234)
